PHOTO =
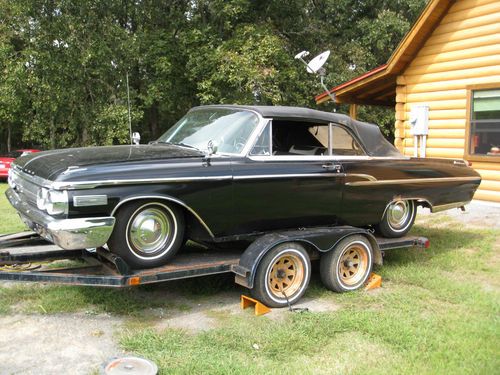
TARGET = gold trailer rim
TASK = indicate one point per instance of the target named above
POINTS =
(353, 264)
(287, 275)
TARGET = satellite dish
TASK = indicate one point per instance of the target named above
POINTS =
(315, 64)
(301, 55)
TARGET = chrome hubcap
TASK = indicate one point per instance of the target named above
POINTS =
(150, 230)
(398, 213)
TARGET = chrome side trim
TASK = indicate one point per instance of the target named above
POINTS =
(361, 175)
(92, 184)
(291, 175)
(165, 198)
(412, 181)
(443, 207)
(90, 200)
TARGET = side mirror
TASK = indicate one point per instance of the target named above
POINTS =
(211, 148)
(136, 138)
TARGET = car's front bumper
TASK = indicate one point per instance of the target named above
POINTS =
(70, 234)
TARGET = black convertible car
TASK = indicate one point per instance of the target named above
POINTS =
(228, 173)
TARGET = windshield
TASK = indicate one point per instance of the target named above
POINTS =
(228, 129)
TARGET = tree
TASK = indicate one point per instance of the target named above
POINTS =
(64, 62)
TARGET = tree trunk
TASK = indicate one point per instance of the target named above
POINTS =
(153, 121)
(52, 135)
(85, 136)
(8, 137)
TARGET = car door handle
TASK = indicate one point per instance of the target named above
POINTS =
(332, 167)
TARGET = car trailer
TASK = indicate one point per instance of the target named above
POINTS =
(273, 263)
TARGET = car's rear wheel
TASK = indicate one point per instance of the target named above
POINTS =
(348, 265)
(147, 233)
(398, 218)
(282, 274)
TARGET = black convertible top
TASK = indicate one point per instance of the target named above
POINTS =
(369, 134)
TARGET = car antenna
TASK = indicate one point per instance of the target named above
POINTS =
(129, 116)
(315, 66)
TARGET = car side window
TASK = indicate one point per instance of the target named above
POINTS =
(343, 143)
(294, 138)
(263, 145)
(299, 138)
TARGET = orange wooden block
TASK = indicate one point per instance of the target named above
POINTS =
(373, 282)
(260, 308)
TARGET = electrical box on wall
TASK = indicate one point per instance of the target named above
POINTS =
(419, 120)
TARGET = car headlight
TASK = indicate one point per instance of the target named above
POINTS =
(10, 180)
(41, 199)
(55, 202)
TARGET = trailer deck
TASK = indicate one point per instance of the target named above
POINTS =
(28, 258)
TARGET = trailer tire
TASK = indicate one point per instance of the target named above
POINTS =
(285, 268)
(347, 266)
(147, 233)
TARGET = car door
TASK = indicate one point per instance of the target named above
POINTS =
(288, 180)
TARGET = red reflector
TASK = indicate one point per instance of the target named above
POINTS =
(427, 244)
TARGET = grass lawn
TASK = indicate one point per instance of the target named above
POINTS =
(438, 312)
(10, 222)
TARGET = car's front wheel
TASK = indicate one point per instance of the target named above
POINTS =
(147, 233)
(398, 218)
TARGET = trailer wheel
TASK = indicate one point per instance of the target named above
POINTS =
(348, 265)
(284, 270)
(398, 219)
(147, 233)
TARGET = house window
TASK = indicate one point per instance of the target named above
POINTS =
(484, 123)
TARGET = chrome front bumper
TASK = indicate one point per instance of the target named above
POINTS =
(70, 234)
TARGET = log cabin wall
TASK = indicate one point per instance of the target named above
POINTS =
(462, 54)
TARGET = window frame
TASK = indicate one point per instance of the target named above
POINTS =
(329, 155)
(468, 115)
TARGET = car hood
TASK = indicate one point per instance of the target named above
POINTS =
(50, 164)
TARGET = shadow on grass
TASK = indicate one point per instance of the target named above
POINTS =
(180, 295)
(442, 241)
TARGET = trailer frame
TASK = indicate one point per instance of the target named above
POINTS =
(99, 267)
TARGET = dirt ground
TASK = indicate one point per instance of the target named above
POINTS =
(56, 344)
(80, 343)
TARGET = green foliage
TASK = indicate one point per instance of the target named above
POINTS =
(64, 63)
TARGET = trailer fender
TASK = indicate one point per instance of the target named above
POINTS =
(317, 239)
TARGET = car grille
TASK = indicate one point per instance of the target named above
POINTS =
(26, 189)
